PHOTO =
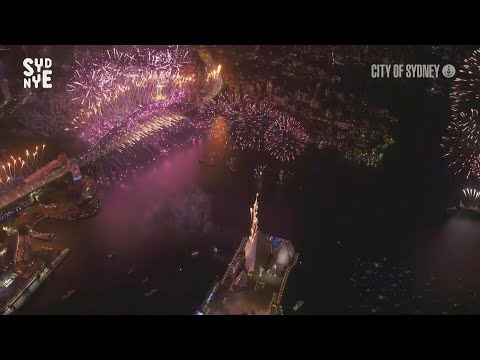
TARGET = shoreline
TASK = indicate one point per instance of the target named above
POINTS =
(34, 282)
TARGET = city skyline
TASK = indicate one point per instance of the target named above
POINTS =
(138, 167)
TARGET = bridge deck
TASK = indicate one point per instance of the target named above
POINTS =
(23, 190)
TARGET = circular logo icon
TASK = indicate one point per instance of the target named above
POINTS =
(448, 71)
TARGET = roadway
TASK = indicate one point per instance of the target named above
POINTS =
(24, 189)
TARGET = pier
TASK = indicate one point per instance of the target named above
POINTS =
(25, 189)
(36, 280)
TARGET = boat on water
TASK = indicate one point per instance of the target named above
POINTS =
(144, 281)
(43, 236)
(150, 293)
(68, 295)
(298, 305)
(195, 253)
(215, 249)
(110, 255)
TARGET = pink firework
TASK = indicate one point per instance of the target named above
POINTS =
(285, 138)
(112, 85)
(461, 143)
(245, 122)
(465, 93)
(475, 167)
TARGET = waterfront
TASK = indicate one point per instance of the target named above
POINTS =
(131, 227)
(331, 209)
(35, 281)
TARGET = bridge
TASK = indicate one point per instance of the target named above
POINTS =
(102, 147)
(25, 189)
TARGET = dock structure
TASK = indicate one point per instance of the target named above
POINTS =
(27, 188)
(33, 284)
(255, 279)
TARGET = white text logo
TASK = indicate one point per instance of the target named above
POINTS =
(419, 71)
(38, 71)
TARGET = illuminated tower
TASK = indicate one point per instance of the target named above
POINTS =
(251, 246)
(19, 246)
(254, 217)
(75, 170)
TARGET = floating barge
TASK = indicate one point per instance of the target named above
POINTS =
(255, 279)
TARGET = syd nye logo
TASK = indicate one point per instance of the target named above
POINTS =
(39, 74)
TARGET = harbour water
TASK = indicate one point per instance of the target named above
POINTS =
(332, 210)
(151, 225)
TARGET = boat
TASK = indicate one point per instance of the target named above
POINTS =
(151, 292)
(144, 281)
(195, 253)
(43, 236)
(68, 295)
(298, 305)
(110, 255)
(215, 249)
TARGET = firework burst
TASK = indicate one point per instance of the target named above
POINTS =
(465, 93)
(131, 105)
(109, 87)
(285, 139)
(475, 167)
(461, 144)
(471, 194)
(471, 197)
(243, 123)
(144, 136)
(15, 169)
(261, 115)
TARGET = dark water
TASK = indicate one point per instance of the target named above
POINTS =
(332, 210)
(132, 227)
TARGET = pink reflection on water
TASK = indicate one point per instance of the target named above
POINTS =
(127, 206)
(453, 252)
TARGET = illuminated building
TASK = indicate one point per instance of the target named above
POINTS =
(74, 167)
(88, 188)
(18, 248)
